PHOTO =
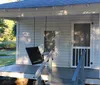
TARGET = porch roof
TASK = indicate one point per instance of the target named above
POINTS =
(45, 3)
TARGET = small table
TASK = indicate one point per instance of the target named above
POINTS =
(20, 71)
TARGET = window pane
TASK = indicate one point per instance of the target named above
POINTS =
(82, 34)
(49, 40)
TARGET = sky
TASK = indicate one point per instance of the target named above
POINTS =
(2, 1)
(5, 1)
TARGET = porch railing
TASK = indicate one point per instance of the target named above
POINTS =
(78, 77)
(77, 52)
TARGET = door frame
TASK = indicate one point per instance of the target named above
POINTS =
(72, 37)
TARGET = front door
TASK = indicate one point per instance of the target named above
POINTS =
(81, 40)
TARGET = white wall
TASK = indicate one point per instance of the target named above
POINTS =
(63, 27)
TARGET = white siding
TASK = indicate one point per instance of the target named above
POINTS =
(63, 27)
(26, 39)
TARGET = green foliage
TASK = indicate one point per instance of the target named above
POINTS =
(5, 52)
(3, 55)
(2, 46)
(2, 26)
(8, 35)
(11, 45)
(2, 23)
(6, 30)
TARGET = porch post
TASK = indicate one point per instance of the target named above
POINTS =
(50, 68)
(39, 81)
(17, 40)
(82, 69)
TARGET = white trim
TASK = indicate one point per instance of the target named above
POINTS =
(80, 22)
(51, 11)
(81, 47)
(72, 42)
(91, 42)
(92, 81)
(17, 40)
(99, 19)
(99, 26)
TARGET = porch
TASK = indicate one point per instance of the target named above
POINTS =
(63, 76)
(31, 33)
(60, 76)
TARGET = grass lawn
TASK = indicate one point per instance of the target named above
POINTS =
(7, 57)
(4, 52)
(7, 61)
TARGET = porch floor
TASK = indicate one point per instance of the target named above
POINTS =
(63, 75)
(60, 76)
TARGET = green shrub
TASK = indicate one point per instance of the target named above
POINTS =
(11, 45)
(2, 45)
(3, 55)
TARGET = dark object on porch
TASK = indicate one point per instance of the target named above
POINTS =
(24, 81)
(89, 84)
(19, 81)
(34, 55)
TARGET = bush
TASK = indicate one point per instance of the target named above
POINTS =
(3, 55)
(2, 45)
(11, 45)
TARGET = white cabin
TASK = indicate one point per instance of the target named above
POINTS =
(71, 28)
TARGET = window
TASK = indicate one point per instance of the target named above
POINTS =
(49, 40)
(82, 34)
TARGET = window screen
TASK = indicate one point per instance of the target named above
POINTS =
(82, 34)
(49, 40)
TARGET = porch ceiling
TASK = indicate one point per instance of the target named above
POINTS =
(50, 11)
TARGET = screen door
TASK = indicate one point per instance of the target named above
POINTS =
(81, 41)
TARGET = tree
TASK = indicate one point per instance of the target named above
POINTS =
(2, 28)
(6, 30)
(9, 34)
